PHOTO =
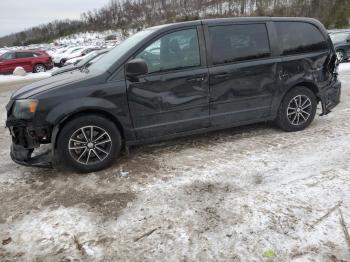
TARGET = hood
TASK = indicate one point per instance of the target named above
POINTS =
(51, 83)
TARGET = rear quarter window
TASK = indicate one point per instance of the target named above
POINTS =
(233, 43)
(24, 54)
(300, 37)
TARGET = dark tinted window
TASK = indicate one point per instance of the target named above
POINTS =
(173, 51)
(238, 42)
(25, 54)
(299, 37)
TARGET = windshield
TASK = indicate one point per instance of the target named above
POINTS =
(116, 53)
(340, 37)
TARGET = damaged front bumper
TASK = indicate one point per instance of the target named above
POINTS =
(26, 141)
(24, 157)
(330, 97)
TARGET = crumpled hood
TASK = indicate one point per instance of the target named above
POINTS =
(50, 83)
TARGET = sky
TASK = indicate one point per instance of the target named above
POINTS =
(17, 15)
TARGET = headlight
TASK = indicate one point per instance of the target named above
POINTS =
(25, 109)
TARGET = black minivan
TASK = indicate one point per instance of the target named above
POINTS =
(175, 80)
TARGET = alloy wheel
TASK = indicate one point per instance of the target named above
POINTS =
(39, 69)
(90, 145)
(299, 110)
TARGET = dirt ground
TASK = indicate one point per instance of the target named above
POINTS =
(252, 193)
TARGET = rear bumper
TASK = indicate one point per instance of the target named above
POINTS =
(330, 97)
(49, 66)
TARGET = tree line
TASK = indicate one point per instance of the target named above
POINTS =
(137, 14)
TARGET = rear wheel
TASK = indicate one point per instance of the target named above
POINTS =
(62, 62)
(89, 144)
(297, 109)
(39, 68)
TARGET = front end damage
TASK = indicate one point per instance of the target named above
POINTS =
(26, 143)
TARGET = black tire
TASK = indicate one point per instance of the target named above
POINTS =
(72, 142)
(62, 62)
(291, 120)
(39, 68)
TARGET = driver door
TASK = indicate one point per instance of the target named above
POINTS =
(7, 63)
(174, 96)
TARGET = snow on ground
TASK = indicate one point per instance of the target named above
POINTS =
(28, 76)
(344, 67)
(252, 193)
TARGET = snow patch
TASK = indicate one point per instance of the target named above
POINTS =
(29, 76)
(344, 67)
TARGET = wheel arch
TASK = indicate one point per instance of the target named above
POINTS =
(84, 112)
(309, 85)
(37, 63)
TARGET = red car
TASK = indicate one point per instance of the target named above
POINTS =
(31, 61)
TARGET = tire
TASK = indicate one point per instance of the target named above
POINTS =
(340, 56)
(62, 62)
(76, 148)
(39, 68)
(297, 110)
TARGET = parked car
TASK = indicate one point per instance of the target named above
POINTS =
(31, 61)
(201, 76)
(341, 41)
(85, 61)
(74, 52)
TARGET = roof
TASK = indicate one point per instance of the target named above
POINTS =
(236, 20)
(221, 21)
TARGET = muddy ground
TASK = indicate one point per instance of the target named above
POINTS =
(252, 193)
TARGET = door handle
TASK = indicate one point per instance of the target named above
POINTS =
(195, 79)
(222, 76)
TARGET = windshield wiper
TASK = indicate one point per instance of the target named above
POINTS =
(84, 69)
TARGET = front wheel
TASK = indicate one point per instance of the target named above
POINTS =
(297, 110)
(89, 143)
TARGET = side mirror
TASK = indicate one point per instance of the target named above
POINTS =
(348, 40)
(136, 67)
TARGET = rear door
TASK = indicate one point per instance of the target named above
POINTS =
(25, 60)
(174, 96)
(242, 73)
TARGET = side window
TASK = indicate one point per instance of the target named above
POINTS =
(8, 56)
(24, 55)
(300, 37)
(173, 51)
(231, 43)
